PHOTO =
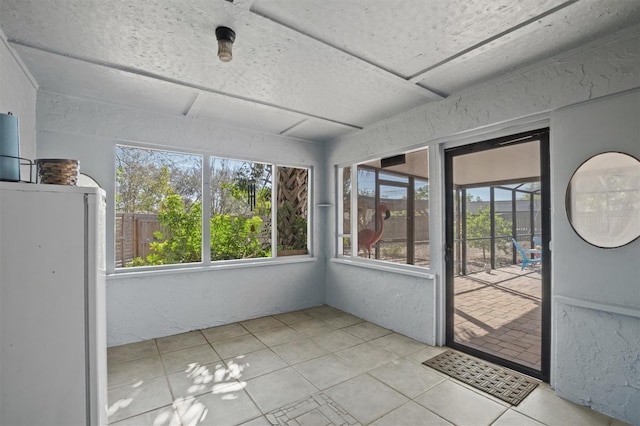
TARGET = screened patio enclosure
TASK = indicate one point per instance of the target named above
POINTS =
(489, 217)
(497, 198)
(391, 207)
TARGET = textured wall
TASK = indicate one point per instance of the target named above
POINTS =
(401, 303)
(607, 68)
(599, 364)
(163, 304)
(577, 133)
(591, 345)
(140, 308)
(18, 95)
(522, 101)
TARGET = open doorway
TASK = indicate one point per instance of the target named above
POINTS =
(498, 260)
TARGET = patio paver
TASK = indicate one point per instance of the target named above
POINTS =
(499, 313)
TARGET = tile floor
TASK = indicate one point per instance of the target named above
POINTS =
(499, 313)
(315, 367)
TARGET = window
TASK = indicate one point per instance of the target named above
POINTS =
(160, 209)
(240, 209)
(390, 209)
(293, 205)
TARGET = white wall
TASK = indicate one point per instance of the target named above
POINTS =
(140, 308)
(399, 302)
(18, 95)
(146, 306)
(524, 100)
(596, 291)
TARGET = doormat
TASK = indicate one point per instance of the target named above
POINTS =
(499, 382)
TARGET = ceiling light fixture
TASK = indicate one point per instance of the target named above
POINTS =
(226, 37)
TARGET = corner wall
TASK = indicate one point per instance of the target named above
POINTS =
(516, 103)
(18, 95)
(154, 304)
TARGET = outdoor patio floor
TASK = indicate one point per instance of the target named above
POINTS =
(499, 313)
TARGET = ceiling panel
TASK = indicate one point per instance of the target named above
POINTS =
(301, 74)
(271, 64)
(311, 69)
(542, 39)
(404, 36)
(320, 131)
(84, 80)
(242, 113)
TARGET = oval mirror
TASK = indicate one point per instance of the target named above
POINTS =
(603, 200)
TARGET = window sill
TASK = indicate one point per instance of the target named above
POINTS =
(414, 271)
(190, 268)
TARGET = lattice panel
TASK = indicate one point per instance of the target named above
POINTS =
(292, 188)
(292, 204)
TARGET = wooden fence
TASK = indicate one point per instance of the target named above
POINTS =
(134, 233)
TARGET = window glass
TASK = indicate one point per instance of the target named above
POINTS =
(392, 211)
(477, 230)
(503, 224)
(158, 207)
(393, 225)
(344, 241)
(421, 227)
(161, 212)
(367, 221)
(240, 224)
(293, 207)
(393, 177)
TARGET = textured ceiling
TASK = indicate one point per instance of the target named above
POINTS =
(304, 68)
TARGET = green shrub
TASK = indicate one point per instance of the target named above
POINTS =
(180, 241)
(236, 237)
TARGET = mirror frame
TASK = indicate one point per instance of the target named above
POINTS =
(568, 203)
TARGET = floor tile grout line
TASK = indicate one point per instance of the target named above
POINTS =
(137, 357)
(172, 405)
(402, 405)
(411, 398)
(145, 412)
(130, 382)
(518, 412)
(293, 366)
(166, 374)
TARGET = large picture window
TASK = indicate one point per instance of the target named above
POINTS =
(386, 202)
(160, 209)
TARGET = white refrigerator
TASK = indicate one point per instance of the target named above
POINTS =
(52, 305)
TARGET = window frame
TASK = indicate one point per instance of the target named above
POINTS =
(206, 263)
(353, 257)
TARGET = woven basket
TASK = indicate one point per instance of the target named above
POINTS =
(57, 171)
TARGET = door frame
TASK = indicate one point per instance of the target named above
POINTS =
(541, 135)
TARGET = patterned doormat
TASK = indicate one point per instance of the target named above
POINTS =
(499, 382)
